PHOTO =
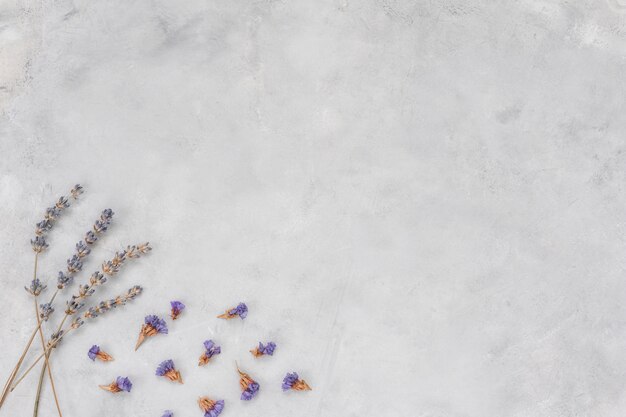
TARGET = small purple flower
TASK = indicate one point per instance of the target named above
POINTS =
(168, 370)
(165, 367)
(167, 413)
(177, 308)
(210, 350)
(248, 385)
(250, 391)
(93, 352)
(153, 325)
(157, 323)
(292, 381)
(264, 349)
(124, 383)
(96, 352)
(211, 407)
(241, 310)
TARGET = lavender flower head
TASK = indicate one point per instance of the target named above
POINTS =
(167, 413)
(83, 249)
(211, 407)
(292, 381)
(51, 215)
(248, 385)
(45, 310)
(36, 287)
(39, 244)
(241, 310)
(168, 370)
(153, 325)
(264, 349)
(96, 352)
(210, 350)
(177, 308)
(122, 383)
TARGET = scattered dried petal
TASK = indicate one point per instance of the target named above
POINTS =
(152, 326)
(210, 407)
(177, 308)
(210, 350)
(168, 370)
(96, 352)
(241, 310)
(248, 385)
(293, 382)
(262, 349)
(120, 384)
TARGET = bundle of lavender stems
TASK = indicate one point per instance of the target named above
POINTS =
(74, 305)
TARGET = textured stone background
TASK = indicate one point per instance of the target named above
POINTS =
(421, 202)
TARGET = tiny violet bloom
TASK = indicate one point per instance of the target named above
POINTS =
(152, 326)
(248, 386)
(167, 413)
(292, 381)
(210, 350)
(241, 310)
(168, 370)
(177, 308)
(95, 352)
(122, 383)
(264, 349)
(36, 287)
(211, 407)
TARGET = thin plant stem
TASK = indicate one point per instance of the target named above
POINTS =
(46, 365)
(7, 386)
(47, 351)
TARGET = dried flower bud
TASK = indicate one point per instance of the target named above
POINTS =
(293, 382)
(82, 250)
(264, 349)
(96, 352)
(36, 287)
(76, 191)
(152, 326)
(168, 370)
(90, 237)
(210, 407)
(73, 306)
(120, 384)
(248, 386)
(241, 310)
(39, 244)
(210, 350)
(45, 310)
(177, 308)
(42, 227)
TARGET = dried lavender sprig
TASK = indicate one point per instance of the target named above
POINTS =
(50, 216)
(83, 249)
(109, 268)
(78, 322)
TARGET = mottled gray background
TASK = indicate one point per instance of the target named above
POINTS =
(422, 202)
